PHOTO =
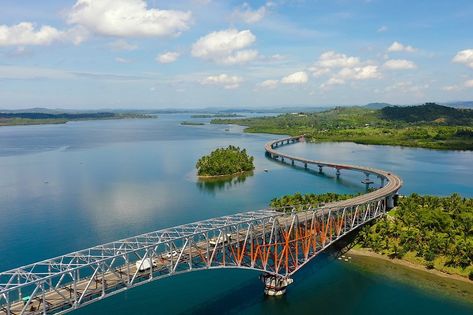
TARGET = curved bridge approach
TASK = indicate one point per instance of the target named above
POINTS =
(277, 242)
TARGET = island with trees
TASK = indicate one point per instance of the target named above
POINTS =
(427, 126)
(430, 231)
(225, 162)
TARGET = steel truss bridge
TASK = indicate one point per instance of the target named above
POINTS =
(277, 242)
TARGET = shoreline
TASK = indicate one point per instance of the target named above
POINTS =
(364, 252)
(204, 177)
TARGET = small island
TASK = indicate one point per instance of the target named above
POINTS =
(192, 123)
(225, 162)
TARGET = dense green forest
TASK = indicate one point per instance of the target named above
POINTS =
(34, 118)
(433, 231)
(429, 126)
(225, 161)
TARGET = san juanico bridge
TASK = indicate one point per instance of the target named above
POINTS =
(275, 242)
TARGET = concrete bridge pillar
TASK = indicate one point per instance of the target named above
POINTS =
(338, 172)
(390, 202)
(320, 169)
(292, 162)
(305, 165)
(275, 285)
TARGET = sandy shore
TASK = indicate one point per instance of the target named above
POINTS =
(369, 253)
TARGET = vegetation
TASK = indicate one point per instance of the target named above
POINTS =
(36, 118)
(225, 161)
(436, 232)
(192, 123)
(302, 201)
(428, 126)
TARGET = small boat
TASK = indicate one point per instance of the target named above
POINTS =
(266, 170)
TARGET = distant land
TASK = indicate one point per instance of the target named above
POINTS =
(223, 110)
(14, 118)
(430, 125)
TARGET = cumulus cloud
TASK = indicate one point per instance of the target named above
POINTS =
(465, 57)
(250, 16)
(26, 34)
(226, 47)
(399, 64)
(225, 80)
(269, 84)
(300, 77)
(398, 47)
(122, 45)
(128, 18)
(167, 57)
(469, 84)
(342, 68)
(359, 73)
(331, 59)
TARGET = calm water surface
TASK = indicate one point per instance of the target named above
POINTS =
(72, 186)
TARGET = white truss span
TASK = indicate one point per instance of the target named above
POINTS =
(274, 241)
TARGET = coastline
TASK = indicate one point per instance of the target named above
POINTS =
(204, 177)
(368, 253)
(427, 280)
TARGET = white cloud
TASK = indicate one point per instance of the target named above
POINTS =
(167, 57)
(464, 57)
(25, 34)
(450, 88)
(227, 81)
(331, 59)
(342, 68)
(296, 78)
(359, 73)
(226, 47)
(397, 47)
(469, 84)
(128, 18)
(246, 14)
(399, 64)
(269, 84)
(122, 60)
(382, 29)
(122, 45)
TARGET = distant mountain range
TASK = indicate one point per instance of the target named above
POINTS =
(282, 109)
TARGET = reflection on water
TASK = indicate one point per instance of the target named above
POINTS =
(212, 185)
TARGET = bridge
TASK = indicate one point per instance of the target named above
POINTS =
(275, 241)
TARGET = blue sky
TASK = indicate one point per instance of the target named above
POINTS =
(88, 54)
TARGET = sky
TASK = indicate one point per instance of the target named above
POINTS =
(138, 54)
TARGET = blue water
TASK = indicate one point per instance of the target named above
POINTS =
(67, 187)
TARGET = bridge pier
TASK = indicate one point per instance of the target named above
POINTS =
(320, 169)
(275, 285)
(292, 162)
(305, 165)
(338, 173)
(390, 202)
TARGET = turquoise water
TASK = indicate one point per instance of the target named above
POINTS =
(67, 187)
